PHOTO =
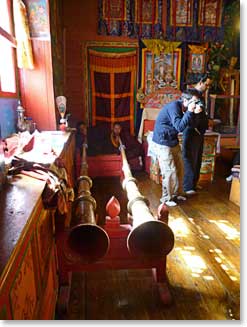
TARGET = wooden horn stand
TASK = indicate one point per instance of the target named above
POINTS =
(125, 251)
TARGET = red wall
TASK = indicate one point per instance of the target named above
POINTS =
(37, 87)
(80, 18)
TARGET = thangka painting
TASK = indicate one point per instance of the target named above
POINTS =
(38, 17)
(197, 63)
(148, 18)
(197, 59)
(210, 13)
(194, 20)
(146, 11)
(133, 18)
(114, 9)
(114, 17)
(181, 13)
(161, 70)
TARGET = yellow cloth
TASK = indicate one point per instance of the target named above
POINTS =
(158, 46)
(24, 47)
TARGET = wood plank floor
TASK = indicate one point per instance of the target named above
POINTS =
(203, 269)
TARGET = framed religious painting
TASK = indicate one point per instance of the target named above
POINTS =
(210, 13)
(38, 17)
(181, 12)
(160, 70)
(197, 63)
(113, 17)
(197, 59)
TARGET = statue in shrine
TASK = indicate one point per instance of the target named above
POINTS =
(149, 84)
(161, 74)
(229, 83)
(169, 79)
(140, 95)
(229, 78)
(165, 77)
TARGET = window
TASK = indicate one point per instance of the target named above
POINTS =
(8, 57)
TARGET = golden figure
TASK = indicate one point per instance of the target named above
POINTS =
(229, 83)
(140, 95)
(229, 78)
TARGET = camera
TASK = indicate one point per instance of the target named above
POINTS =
(198, 101)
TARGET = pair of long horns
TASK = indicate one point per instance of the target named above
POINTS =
(149, 238)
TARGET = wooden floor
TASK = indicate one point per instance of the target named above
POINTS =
(203, 269)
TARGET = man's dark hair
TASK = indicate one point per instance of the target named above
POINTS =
(205, 77)
(79, 124)
(188, 94)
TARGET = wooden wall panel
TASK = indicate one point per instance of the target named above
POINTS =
(36, 85)
(80, 19)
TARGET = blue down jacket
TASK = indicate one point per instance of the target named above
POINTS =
(170, 121)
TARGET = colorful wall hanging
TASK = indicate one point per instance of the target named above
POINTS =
(111, 83)
(38, 16)
(181, 13)
(161, 65)
(194, 20)
(210, 13)
(197, 59)
(148, 18)
(114, 17)
(133, 18)
(197, 63)
(157, 100)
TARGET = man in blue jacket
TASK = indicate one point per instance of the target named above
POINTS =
(170, 121)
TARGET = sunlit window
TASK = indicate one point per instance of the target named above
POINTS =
(5, 21)
(7, 45)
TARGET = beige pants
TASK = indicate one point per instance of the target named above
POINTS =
(172, 170)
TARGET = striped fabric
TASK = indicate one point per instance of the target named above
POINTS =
(113, 78)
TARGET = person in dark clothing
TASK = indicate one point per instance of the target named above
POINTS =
(133, 148)
(80, 138)
(105, 141)
(81, 133)
(170, 121)
(203, 86)
(193, 141)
